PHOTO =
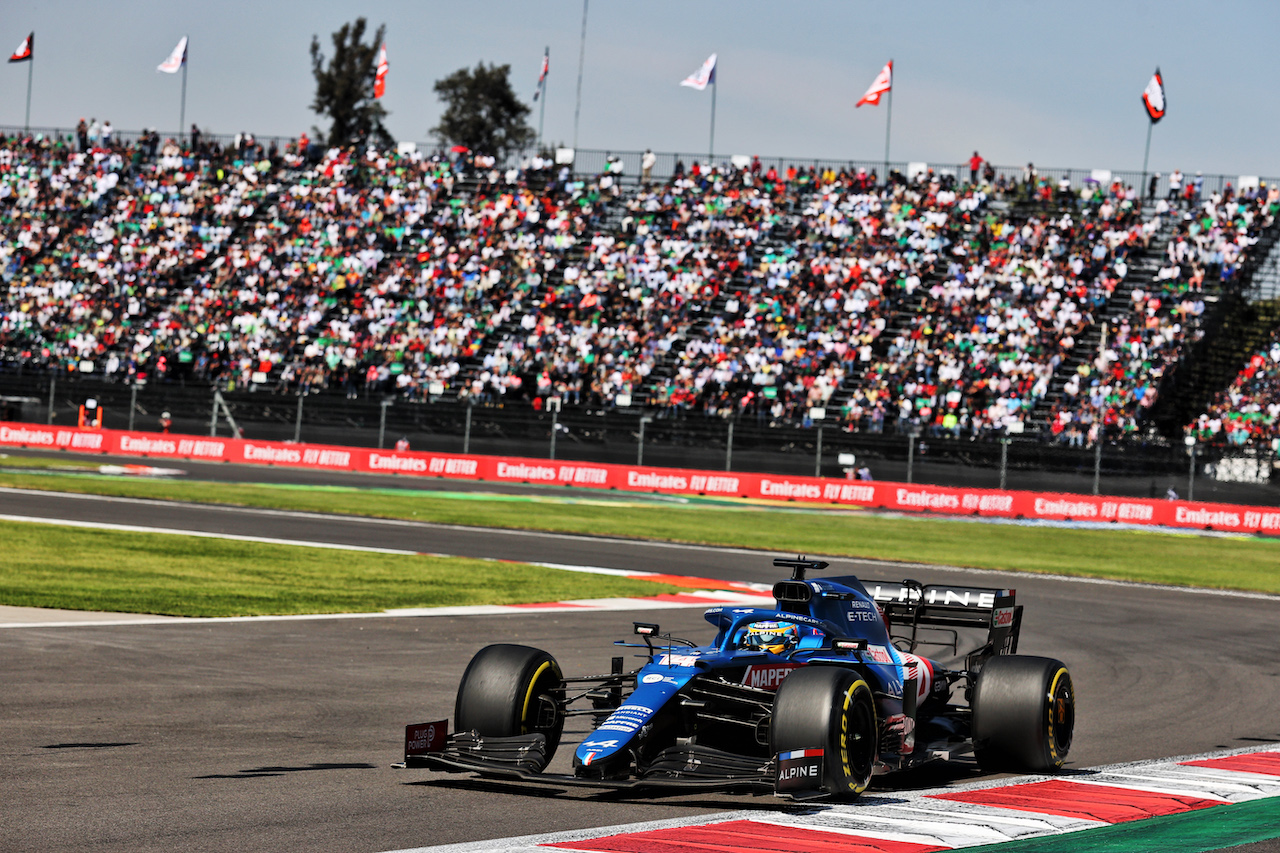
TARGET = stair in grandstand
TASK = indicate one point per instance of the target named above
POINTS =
(464, 187)
(899, 310)
(1265, 284)
(1144, 266)
(667, 364)
(76, 218)
(609, 222)
(1234, 327)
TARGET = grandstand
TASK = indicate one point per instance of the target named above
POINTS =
(1049, 305)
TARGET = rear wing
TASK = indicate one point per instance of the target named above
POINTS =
(913, 605)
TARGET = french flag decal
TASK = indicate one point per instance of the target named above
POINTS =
(799, 770)
(800, 753)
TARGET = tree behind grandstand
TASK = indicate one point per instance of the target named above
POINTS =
(482, 111)
(344, 86)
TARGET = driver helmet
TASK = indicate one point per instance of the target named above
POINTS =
(775, 637)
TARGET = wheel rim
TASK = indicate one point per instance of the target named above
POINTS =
(1061, 716)
(546, 714)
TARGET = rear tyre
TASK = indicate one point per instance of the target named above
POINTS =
(833, 709)
(1024, 713)
(510, 690)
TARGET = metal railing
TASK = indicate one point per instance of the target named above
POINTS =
(589, 161)
(635, 435)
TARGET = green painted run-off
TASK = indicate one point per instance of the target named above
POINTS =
(1191, 832)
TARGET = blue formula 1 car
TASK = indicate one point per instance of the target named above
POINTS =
(811, 698)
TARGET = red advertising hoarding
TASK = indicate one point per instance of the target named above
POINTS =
(903, 497)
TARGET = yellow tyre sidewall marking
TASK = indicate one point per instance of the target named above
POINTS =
(1058, 677)
(528, 696)
(860, 784)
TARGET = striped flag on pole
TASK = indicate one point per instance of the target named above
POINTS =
(380, 76)
(23, 53)
(1153, 97)
(883, 83)
(174, 63)
(703, 77)
(542, 74)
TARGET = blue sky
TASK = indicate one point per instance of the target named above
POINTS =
(1056, 83)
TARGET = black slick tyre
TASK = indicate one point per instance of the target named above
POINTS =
(510, 690)
(1024, 711)
(829, 708)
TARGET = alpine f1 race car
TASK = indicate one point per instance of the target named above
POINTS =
(811, 698)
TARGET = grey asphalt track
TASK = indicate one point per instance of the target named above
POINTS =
(279, 735)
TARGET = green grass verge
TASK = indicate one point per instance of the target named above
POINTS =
(72, 463)
(78, 569)
(1147, 556)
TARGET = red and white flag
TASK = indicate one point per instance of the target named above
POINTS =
(176, 60)
(703, 77)
(883, 83)
(380, 77)
(23, 53)
(1153, 97)
(542, 74)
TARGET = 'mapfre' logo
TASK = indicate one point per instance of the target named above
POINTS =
(767, 677)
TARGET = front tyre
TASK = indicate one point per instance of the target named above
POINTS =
(833, 709)
(510, 690)
(1024, 713)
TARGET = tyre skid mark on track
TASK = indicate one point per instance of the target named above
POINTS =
(962, 816)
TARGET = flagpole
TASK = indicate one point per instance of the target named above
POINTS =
(182, 114)
(542, 110)
(31, 63)
(1142, 188)
(711, 153)
(888, 122)
(582, 57)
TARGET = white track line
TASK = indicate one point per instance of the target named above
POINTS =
(916, 817)
(644, 543)
(706, 598)
(199, 534)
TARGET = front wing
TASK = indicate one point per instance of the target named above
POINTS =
(694, 768)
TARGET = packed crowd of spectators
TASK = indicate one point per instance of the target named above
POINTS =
(979, 307)
(909, 304)
(1112, 391)
(96, 248)
(1247, 414)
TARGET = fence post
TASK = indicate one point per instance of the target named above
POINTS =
(817, 461)
(466, 432)
(911, 453)
(382, 421)
(53, 383)
(1191, 474)
(1004, 460)
(213, 414)
(133, 403)
(553, 403)
(1097, 463)
(644, 419)
(728, 449)
(297, 424)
